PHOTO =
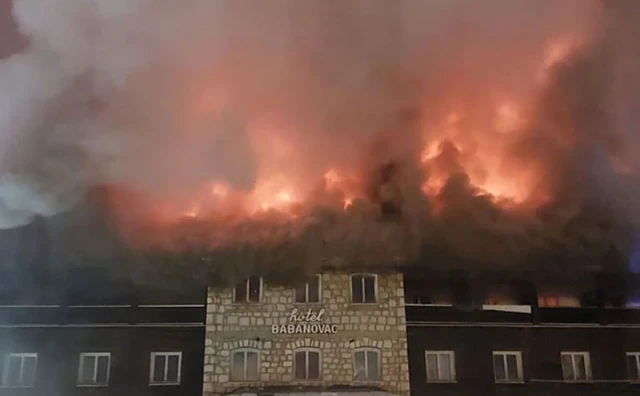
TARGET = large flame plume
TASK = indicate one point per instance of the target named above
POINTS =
(361, 131)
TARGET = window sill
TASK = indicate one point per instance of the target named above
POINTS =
(364, 304)
(427, 305)
(578, 381)
(165, 384)
(92, 386)
(510, 382)
(17, 386)
(308, 303)
(441, 382)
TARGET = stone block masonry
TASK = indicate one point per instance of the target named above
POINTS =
(379, 327)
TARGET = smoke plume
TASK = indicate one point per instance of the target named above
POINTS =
(269, 134)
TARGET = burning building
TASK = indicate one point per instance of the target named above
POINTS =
(280, 140)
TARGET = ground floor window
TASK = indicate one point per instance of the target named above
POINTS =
(245, 365)
(367, 364)
(307, 364)
(94, 369)
(165, 368)
(507, 366)
(19, 370)
(440, 366)
(576, 366)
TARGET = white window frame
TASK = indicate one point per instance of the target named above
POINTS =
(306, 292)
(22, 357)
(97, 355)
(152, 366)
(452, 366)
(306, 352)
(519, 367)
(587, 363)
(244, 377)
(636, 355)
(375, 288)
(246, 297)
(366, 363)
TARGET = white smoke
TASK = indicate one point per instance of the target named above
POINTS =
(164, 94)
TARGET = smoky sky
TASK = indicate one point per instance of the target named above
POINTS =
(163, 96)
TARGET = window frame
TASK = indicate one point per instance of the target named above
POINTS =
(306, 352)
(22, 356)
(452, 366)
(366, 362)
(97, 355)
(306, 292)
(636, 355)
(519, 367)
(244, 351)
(375, 288)
(152, 365)
(246, 297)
(587, 363)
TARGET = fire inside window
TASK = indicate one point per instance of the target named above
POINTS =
(248, 291)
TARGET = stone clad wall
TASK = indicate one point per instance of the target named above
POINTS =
(381, 325)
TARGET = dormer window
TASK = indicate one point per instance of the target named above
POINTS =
(249, 291)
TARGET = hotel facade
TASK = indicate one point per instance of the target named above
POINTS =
(336, 332)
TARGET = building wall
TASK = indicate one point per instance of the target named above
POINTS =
(540, 347)
(381, 325)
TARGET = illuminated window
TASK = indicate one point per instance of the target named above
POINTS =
(19, 370)
(94, 369)
(165, 368)
(576, 366)
(633, 364)
(363, 288)
(547, 301)
(309, 292)
(366, 364)
(507, 366)
(307, 364)
(245, 365)
(440, 366)
(249, 291)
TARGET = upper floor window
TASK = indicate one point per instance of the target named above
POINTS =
(364, 288)
(245, 365)
(553, 300)
(507, 367)
(310, 291)
(165, 368)
(94, 369)
(366, 364)
(440, 366)
(19, 370)
(249, 290)
(633, 364)
(576, 366)
(307, 364)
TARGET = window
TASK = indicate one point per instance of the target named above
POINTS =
(440, 366)
(248, 291)
(309, 292)
(19, 370)
(245, 365)
(633, 364)
(307, 364)
(165, 368)
(576, 366)
(94, 369)
(363, 288)
(366, 365)
(507, 367)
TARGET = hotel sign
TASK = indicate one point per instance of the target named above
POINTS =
(308, 322)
